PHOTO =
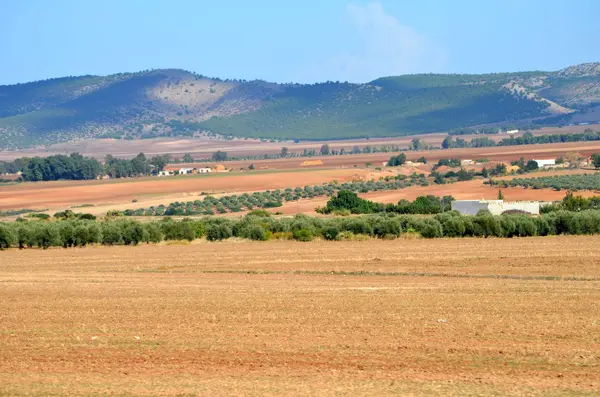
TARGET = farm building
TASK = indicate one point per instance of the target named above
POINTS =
(545, 163)
(495, 207)
(466, 162)
(510, 132)
(203, 170)
(165, 173)
(184, 171)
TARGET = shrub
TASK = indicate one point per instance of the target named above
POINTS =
(260, 213)
(153, 233)
(132, 232)
(454, 226)
(525, 227)
(282, 236)
(431, 228)
(89, 217)
(302, 234)
(111, 234)
(218, 232)
(46, 235)
(81, 236)
(67, 234)
(486, 226)
(358, 226)
(383, 227)
(7, 237)
(258, 233)
(331, 232)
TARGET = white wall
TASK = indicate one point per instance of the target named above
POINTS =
(469, 207)
(496, 207)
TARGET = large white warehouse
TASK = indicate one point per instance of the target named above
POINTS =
(495, 207)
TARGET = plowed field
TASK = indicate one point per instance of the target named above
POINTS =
(475, 317)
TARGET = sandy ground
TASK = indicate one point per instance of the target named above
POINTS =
(463, 317)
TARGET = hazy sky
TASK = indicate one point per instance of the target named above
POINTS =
(294, 40)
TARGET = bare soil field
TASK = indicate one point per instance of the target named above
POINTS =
(61, 194)
(504, 153)
(468, 190)
(464, 317)
(204, 147)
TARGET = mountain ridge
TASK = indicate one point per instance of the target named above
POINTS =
(178, 102)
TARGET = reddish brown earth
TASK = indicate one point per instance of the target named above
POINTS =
(42, 195)
(504, 153)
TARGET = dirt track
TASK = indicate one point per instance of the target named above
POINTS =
(477, 317)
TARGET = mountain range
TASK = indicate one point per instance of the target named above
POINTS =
(171, 102)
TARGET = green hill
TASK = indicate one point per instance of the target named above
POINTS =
(177, 102)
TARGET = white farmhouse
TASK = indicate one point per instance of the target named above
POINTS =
(545, 163)
(184, 171)
(495, 207)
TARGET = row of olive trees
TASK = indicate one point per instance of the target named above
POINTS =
(260, 226)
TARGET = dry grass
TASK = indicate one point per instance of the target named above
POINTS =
(406, 317)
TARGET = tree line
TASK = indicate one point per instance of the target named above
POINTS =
(259, 225)
(347, 202)
(526, 139)
(78, 167)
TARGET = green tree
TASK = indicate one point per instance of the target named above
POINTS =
(219, 156)
(596, 160)
(7, 237)
(396, 161)
(159, 162)
(187, 158)
(500, 194)
(325, 149)
(284, 152)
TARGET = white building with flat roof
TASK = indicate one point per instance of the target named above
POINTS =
(545, 163)
(495, 207)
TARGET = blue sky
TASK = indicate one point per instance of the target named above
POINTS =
(294, 40)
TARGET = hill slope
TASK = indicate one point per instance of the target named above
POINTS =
(177, 102)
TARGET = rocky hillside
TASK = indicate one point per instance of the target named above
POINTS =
(177, 102)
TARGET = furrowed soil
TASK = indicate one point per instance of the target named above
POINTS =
(453, 317)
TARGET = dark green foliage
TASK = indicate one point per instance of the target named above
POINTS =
(331, 232)
(347, 200)
(596, 160)
(385, 107)
(257, 232)
(303, 234)
(154, 233)
(217, 232)
(455, 226)
(385, 227)
(111, 233)
(7, 237)
(57, 167)
(219, 156)
(358, 226)
(557, 182)
(398, 160)
(431, 228)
